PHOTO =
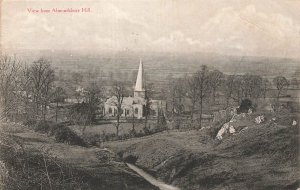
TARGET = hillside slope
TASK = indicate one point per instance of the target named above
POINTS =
(30, 160)
(264, 156)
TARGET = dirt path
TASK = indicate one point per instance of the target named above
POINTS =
(161, 185)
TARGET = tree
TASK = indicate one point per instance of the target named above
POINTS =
(25, 86)
(229, 88)
(203, 88)
(192, 87)
(295, 83)
(77, 78)
(281, 83)
(94, 98)
(42, 78)
(251, 85)
(9, 83)
(175, 95)
(265, 86)
(58, 97)
(215, 79)
(148, 94)
(119, 91)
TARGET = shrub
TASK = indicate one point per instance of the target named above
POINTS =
(146, 130)
(42, 126)
(66, 135)
(246, 104)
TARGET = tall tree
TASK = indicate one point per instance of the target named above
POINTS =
(94, 97)
(265, 86)
(281, 84)
(9, 83)
(192, 87)
(42, 78)
(252, 85)
(215, 80)
(229, 88)
(119, 91)
(148, 94)
(25, 86)
(203, 88)
(58, 97)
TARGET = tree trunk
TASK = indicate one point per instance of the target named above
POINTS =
(133, 127)
(44, 113)
(56, 111)
(200, 118)
(214, 96)
(118, 123)
(192, 111)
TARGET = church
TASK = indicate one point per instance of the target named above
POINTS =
(135, 106)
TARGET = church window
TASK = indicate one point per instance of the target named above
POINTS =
(110, 111)
(136, 110)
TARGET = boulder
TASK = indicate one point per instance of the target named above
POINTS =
(259, 119)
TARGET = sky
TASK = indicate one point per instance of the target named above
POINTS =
(230, 27)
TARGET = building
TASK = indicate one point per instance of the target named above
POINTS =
(135, 106)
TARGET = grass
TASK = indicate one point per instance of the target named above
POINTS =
(35, 161)
(109, 128)
(264, 156)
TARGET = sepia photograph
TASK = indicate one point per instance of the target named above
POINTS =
(149, 94)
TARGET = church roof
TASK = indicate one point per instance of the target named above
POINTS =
(127, 101)
(139, 85)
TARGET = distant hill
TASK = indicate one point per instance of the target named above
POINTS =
(162, 64)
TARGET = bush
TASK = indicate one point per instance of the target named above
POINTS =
(43, 126)
(65, 135)
(246, 104)
(146, 130)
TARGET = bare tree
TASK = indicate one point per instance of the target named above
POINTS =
(265, 86)
(9, 70)
(203, 88)
(281, 83)
(148, 94)
(215, 79)
(25, 86)
(175, 95)
(192, 88)
(42, 78)
(59, 97)
(119, 91)
(229, 88)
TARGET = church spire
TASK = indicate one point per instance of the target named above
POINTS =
(139, 80)
(139, 90)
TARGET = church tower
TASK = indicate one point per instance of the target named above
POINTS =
(139, 90)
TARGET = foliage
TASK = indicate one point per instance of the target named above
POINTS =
(66, 135)
(281, 83)
(246, 104)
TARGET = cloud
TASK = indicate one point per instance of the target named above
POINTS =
(247, 29)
